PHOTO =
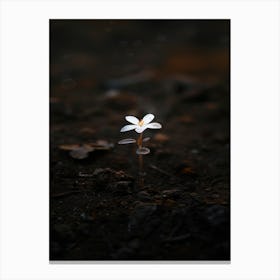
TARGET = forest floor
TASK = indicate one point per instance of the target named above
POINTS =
(102, 71)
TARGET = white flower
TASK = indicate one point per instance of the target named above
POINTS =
(140, 125)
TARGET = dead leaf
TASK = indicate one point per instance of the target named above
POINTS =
(160, 137)
(80, 151)
(185, 119)
(88, 148)
(187, 170)
(211, 105)
(87, 130)
(69, 147)
(101, 145)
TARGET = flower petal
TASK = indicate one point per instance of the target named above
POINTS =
(148, 118)
(140, 129)
(128, 127)
(154, 125)
(132, 119)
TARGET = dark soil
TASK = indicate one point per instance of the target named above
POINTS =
(101, 71)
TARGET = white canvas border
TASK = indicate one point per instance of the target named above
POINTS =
(254, 130)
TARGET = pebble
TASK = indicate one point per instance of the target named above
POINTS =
(194, 151)
(122, 187)
(144, 196)
(108, 179)
(141, 213)
(56, 248)
(122, 253)
(86, 218)
(84, 229)
(216, 214)
(134, 243)
(98, 171)
(194, 194)
(63, 232)
(123, 203)
(174, 193)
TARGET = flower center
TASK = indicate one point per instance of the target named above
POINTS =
(141, 123)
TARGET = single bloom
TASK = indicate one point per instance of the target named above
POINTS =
(140, 125)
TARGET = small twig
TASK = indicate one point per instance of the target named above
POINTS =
(167, 174)
(177, 238)
(59, 195)
(85, 175)
(161, 171)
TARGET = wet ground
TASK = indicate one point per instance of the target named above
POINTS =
(101, 71)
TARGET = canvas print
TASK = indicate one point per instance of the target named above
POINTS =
(139, 140)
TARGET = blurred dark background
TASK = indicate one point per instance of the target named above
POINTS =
(103, 70)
